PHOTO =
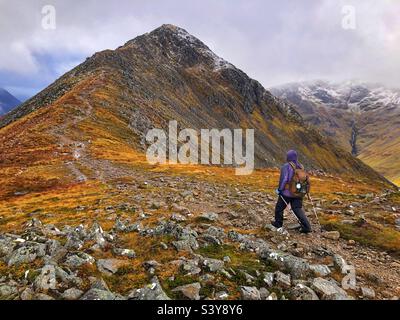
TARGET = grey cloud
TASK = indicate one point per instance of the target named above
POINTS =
(274, 42)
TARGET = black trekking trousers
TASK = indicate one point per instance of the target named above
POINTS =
(297, 206)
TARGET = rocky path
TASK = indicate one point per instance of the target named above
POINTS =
(78, 147)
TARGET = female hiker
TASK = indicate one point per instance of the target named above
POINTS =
(287, 195)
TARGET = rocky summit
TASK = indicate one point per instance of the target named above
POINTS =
(83, 215)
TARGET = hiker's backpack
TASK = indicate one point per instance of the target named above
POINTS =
(299, 186)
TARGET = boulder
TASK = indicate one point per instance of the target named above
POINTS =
(328, 290)
(152, 291)
(340, 264)
(209, 216)
(368, 293)
(6, 247)
(221, 295)
(8, 292)
(97, 294)
(28, 253)
(46, 280)
(44, 297)
(119, 225)
(79, 259)
(27, 295)
(332, 235)
(297, 267)
(178, 217)
(302, 292)
(151, 264)
(72, 294)
(214, 265)
(250, 293)
(190, 291)
(191, 267)
(320, 270)
(74, 242)
(110, 266)
(268, 279)
(55, 250)
(129, 253)
(264, 293)
(67, 278)
(282, 280)
(186, 245)
(272, 296)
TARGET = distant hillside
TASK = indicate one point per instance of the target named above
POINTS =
(363, 118)
(7, 101)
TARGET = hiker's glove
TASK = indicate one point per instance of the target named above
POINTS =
(278, 192)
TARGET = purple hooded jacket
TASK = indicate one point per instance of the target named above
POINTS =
(287, 172)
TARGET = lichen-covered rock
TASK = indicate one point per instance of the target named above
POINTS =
(213, 265)
(79, 259)
(46, 280)
(97, 294)
(297, 267)
(152, 291)
(72, 294)
(249, 293)
(8, 292)
(302, 292)
(6, 246)
(27, 253)
(209, 216)
(282, 280)
(340, 264)
(129, 253)
(320, 270)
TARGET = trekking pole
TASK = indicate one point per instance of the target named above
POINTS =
(315, 211)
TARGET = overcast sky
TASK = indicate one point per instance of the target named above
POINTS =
(273, 41)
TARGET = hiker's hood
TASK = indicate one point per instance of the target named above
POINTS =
(291, 156)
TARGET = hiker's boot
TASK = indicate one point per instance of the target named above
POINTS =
(304, 231)
(274, 224)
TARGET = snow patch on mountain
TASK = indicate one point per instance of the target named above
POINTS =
(353, 96)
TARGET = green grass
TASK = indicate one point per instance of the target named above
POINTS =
(178, 281)
(369, 235)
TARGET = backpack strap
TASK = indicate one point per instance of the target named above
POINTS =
(293, 165)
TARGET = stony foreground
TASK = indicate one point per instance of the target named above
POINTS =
(46, 263)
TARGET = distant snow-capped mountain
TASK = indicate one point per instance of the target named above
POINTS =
(362, 117)
(350, 95)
